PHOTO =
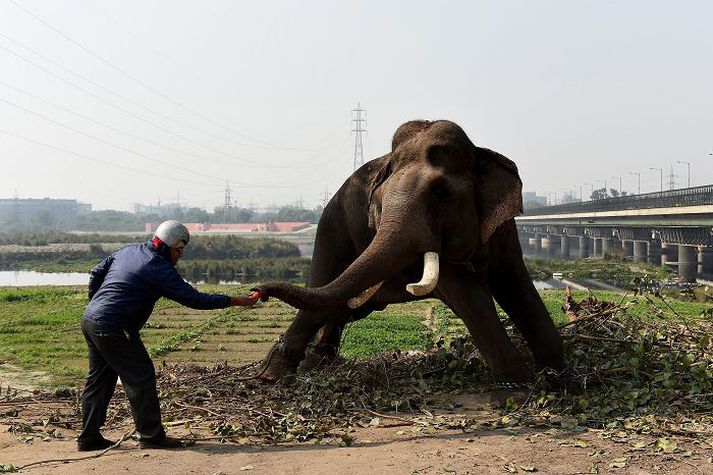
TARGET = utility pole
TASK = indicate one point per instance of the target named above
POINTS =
(671, 178)
(325, 196)
(358, 139)
(226, 204)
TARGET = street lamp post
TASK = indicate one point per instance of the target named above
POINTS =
(689, 170)
(638, 176)
(660, 172)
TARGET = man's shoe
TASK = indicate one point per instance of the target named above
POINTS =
(164, 442)
(96, 444)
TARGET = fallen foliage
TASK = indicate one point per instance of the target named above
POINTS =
(627, 377)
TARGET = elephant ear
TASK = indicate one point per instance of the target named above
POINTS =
(498, 191)
(378, 177)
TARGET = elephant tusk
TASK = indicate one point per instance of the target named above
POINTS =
(361, 299)
(430, 276)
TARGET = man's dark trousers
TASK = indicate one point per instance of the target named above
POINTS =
(122, 353)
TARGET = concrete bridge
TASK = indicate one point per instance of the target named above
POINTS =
(670, 228)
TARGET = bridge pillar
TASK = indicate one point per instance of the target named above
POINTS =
(535, 244)
(597, 248)
(606, 246)
(655, 252)
(628, 248)
(583, 247)
(550, 246)
(705, 261)
(564, 246)
(639, 251)
(545, 251)
(669, 253)
(687, 261)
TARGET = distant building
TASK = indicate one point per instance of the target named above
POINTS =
(165, 210)
(566, 199)
(16, 210)
(531, 200)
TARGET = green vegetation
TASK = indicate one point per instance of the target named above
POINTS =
(398, 327)
(611, 271)
(245, 270)
(40, 328)
(119, 221)
(46, 238)
(209, 258)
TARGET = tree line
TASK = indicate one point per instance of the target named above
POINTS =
(113, 221)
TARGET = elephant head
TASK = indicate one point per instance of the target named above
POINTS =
(435, 197)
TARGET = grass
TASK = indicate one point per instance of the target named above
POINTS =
(40, 328)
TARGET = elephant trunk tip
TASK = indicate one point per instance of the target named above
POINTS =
(298, 297)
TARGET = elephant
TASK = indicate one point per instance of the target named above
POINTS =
(433, 218)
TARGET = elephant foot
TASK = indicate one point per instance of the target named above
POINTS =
(319, 356)
(277, 365)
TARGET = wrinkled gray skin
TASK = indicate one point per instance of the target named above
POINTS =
(435, 191)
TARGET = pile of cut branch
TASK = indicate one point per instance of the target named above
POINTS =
(624, 372)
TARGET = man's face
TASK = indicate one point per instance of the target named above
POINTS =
(177, 252)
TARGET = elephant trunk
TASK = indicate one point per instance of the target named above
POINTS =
(383, 258)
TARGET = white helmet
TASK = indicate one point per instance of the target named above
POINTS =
(172, 232)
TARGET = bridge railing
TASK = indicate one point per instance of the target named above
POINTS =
(694, 196)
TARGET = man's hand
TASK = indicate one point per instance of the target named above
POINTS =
(245, 300)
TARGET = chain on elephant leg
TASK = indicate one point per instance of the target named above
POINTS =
(278, 364)
(323, 351)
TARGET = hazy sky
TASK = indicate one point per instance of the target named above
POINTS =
(165, 99)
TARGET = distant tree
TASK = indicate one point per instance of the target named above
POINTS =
(178, 215)
(196, 215)
(44, 219)
(600, 194)
(111, 220)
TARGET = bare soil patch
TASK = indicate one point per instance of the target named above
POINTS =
(392, 446)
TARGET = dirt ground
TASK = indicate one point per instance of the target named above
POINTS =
(391, 447)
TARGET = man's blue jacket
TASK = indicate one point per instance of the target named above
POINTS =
(125, 286)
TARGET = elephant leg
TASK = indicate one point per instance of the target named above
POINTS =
(471, 300)
(285, 355)
(324, 348)
(516, 294)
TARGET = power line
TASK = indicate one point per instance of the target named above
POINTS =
(254, 163)
(94, 159)
(148, 157)
(111, 144)
(125, 111)
(143, 84)
(137, 137)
